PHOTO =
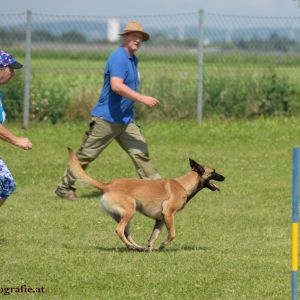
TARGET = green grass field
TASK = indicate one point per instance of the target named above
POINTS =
(234, 244)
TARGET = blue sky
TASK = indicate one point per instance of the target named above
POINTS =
(282, 8)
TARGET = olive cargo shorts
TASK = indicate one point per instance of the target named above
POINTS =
(100, 134)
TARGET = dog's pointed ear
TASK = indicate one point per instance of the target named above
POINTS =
(196, 167)
(193, 164)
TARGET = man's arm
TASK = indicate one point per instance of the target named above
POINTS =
(9, 137)
(118, 86)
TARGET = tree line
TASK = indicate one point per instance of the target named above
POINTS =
(273, 42)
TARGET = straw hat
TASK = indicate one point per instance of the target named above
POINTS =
(134, 26)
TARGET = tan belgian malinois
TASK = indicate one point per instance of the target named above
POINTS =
(158, 199)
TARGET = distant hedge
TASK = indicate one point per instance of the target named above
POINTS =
(69, 98)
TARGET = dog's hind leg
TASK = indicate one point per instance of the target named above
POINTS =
(129, 238)
(117, 218)
(121, 209)
(120, 230)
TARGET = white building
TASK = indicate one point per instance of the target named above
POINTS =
(113, 27)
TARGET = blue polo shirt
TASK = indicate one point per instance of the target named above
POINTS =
(113, 107)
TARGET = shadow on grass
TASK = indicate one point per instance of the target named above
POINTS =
(91, 196)
(186, 248)
(125, 250)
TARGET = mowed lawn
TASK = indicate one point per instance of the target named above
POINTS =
(233, 244)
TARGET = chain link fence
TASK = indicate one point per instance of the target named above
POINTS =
(196, 63)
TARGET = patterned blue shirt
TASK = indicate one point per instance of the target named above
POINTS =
(111, 106)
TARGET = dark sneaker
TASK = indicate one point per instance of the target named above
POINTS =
(67, 195)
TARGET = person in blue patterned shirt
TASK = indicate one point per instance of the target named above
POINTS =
(7, 70)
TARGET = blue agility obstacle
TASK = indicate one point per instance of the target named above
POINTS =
(295, 224)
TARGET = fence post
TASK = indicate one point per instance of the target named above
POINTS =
(27, 69)
(200, 65)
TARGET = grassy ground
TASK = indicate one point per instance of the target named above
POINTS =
(229, 245)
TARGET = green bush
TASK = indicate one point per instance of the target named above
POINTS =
(82, 103)
(273, 96)
(49, 99)
(264, 95)
(71, 96)
(61, 97)
(178, 98)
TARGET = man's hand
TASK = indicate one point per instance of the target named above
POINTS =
(23, 143)
(9, 137)
(149, 101)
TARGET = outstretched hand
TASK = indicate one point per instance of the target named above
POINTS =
(23, 143)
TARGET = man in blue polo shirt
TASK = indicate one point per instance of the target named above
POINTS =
(113, 115)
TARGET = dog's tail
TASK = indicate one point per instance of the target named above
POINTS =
(79, 173)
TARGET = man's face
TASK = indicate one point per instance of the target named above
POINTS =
(133, 41)
(6, 74)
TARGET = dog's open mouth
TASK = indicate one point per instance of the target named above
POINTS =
(213, 187)
(215, 176)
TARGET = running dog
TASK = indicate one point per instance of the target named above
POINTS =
(158, 199)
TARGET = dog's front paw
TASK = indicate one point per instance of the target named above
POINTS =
(148, 249)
